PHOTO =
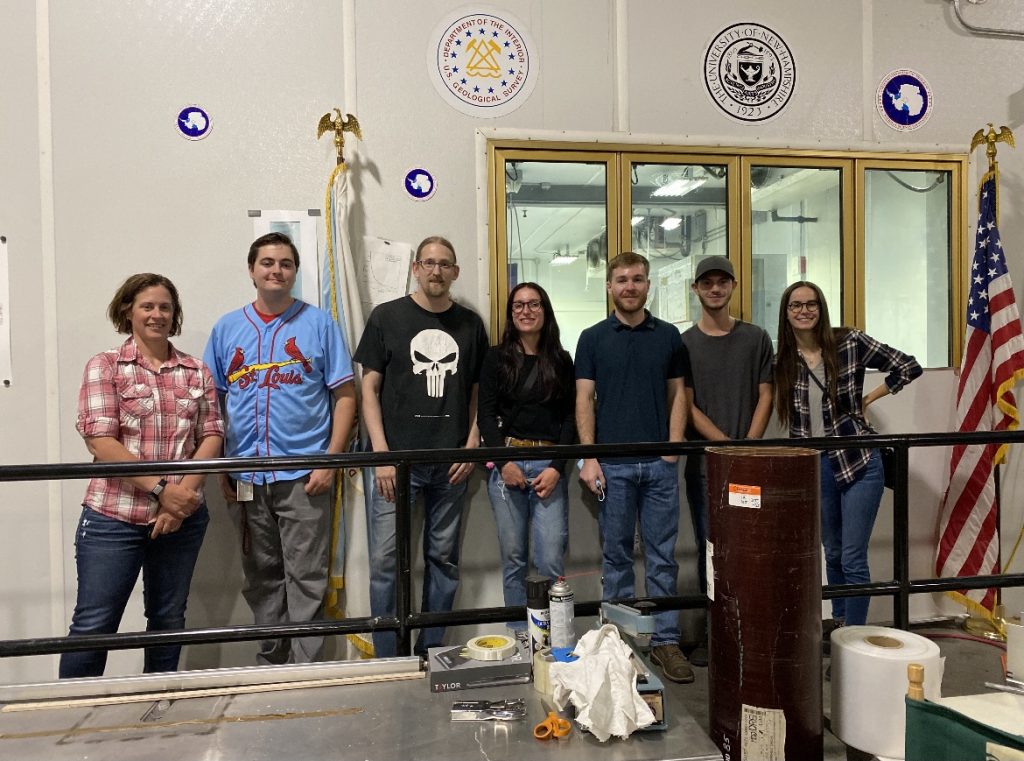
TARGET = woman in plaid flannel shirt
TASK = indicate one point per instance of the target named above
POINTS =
(819, 391)
(143, 400)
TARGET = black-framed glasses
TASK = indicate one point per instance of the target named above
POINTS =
(798, 306)
(519, 306)
(429, 264)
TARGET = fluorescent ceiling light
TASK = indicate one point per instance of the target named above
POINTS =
(679, 187)
(672, 223)
(560, 260)
(635, 221)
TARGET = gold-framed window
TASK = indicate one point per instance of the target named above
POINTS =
(883, 234)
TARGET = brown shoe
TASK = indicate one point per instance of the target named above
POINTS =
(673, 663)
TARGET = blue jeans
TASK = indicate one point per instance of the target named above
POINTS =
(696, 476)
(442, 508)
(648, 491)
(529, 528)
(109, 554)
(847, 517)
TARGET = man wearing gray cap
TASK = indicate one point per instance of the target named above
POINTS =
(729, 390)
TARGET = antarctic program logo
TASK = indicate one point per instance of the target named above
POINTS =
(904, 100)
(749, 72)
(482, 64)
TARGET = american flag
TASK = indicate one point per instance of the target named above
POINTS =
(992, 364)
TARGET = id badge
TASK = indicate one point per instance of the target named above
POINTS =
(244, 489)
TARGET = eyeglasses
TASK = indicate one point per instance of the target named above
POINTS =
(798, 306)
(519, 306)
(429, 264)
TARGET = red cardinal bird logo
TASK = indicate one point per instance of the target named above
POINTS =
(296, 353)
(237, 360)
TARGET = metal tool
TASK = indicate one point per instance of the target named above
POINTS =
(489, 710)
(554, 725)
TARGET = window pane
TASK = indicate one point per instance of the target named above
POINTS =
(679, 216)
(557, 237)
(796, 235)
(907, 255)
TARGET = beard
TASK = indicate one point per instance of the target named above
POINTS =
(638, 304)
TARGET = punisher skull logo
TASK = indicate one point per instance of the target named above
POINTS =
(435, 354)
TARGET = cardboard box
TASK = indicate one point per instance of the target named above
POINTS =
(450, 670)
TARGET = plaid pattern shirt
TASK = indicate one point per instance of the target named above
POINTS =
(857, 352)
(156, 414)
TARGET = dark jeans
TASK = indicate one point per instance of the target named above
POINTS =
(109, 554)
(848, 514)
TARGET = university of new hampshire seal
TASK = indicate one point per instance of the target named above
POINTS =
(482, 64)
(749, 72)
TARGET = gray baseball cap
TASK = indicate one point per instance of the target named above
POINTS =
(711, 264)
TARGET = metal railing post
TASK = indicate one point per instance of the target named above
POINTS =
(403, 569)
(901, 537)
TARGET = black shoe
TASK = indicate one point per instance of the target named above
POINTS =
(827, 627)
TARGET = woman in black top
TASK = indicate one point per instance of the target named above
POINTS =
(527, 399)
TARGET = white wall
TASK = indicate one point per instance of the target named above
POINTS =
(127, 194)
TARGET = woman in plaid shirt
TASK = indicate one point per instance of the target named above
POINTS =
(143, 400)
(819, 391)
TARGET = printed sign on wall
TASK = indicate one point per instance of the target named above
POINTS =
(749, 72)
(904, 100)
(483, 64)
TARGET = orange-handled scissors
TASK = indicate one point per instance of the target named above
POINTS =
(552, 726)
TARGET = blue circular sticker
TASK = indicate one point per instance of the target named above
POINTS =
(904, 100)
(193, 123)
(419, 183)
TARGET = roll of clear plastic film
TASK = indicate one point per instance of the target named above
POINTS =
(869, 683)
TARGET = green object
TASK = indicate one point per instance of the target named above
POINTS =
(937, 733)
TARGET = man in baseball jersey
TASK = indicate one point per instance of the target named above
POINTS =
(421, 358)
(286, 379)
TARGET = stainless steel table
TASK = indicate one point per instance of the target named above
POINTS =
(381, 721)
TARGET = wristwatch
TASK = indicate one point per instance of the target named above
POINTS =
(157, 490)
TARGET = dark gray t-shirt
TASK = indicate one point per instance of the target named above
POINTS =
(430, 362)
(726, 371)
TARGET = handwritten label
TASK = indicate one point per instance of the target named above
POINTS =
(744, 496)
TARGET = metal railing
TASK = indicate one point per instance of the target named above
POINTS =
(900, 588)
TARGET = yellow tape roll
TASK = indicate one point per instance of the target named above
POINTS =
(490, 647)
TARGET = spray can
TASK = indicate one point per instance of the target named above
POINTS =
(562, 603)
(538, 617)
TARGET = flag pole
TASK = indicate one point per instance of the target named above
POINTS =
(993, 627)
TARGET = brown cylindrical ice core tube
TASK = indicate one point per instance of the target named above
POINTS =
(764, 581)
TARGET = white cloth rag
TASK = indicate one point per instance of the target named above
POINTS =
(601, 683)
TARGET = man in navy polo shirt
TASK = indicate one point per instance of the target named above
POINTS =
(630, 370)
(285, 379)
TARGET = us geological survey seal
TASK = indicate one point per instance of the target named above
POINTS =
(482, 64)
(749, 72)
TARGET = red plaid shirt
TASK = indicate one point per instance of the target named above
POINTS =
(156, 414)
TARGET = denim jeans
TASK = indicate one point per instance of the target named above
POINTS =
(442, 509)
(529, 528)
(109, 554)
(847, 517)
(696, 476)
(648, 491)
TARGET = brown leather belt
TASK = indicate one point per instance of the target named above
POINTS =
(511, 441)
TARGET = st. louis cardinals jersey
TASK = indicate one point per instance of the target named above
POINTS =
(278, 379)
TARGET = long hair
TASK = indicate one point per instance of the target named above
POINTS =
(787, 359)
(551, 358)
(120, 307)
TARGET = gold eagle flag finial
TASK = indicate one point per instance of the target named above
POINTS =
(989, 140)
(339, 126)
